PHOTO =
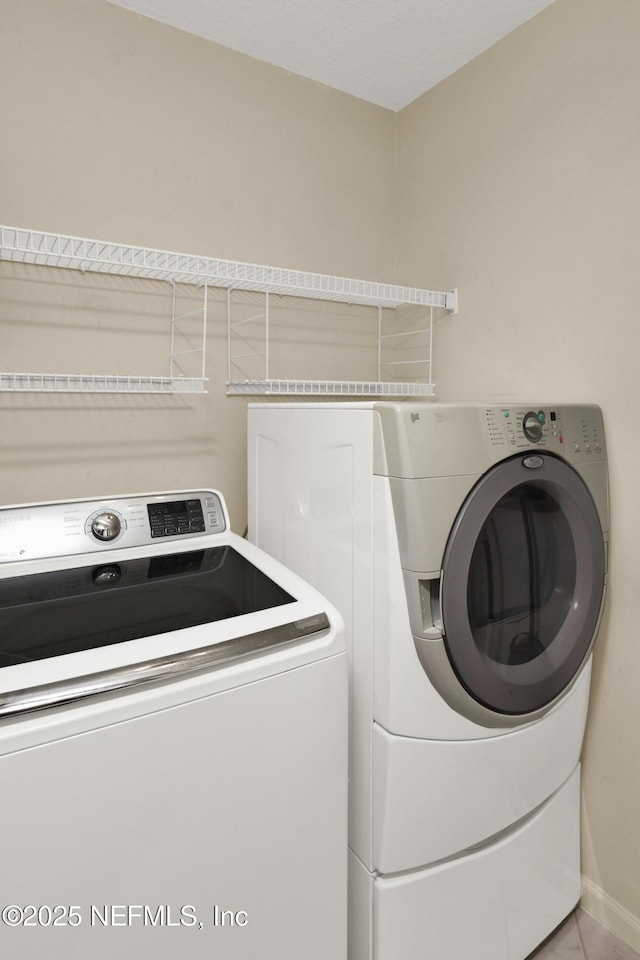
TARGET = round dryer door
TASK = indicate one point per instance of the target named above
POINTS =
(522, 584)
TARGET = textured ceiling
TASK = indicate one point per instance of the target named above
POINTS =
(386, 51)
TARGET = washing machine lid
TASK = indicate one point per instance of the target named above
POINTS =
(522, 586)
(100, 596)
(65, 611)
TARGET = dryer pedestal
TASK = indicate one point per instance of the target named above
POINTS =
(497, 901)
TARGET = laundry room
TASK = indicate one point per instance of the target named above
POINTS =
(500, 200)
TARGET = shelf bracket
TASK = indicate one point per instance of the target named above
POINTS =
(451, 301)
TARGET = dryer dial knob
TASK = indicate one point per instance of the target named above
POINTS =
(106, 526)
(532, 427)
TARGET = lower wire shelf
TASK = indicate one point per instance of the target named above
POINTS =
(351, 388)
(89, 383)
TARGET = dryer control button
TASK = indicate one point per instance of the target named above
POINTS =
(532, 426)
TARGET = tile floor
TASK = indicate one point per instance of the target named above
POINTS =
(581, 937)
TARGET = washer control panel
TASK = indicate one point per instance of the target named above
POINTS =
(178, 517)
(66, 528)
(575, 432)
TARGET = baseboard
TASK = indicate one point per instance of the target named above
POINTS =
(611, 914)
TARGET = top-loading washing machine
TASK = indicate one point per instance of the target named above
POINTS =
(465, 546)
(173, 739)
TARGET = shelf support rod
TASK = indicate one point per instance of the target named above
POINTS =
(173, 329)
(228, 334)
(379, 343)
(204, 327)
(430, 344)
(266, 334)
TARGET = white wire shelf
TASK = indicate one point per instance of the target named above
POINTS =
(78, 253)
(37, 247)
(353, 388)
(81, 383)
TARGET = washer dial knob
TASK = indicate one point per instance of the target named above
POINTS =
(532, 426)
(106, 526)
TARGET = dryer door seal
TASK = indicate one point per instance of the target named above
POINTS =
(522, 585)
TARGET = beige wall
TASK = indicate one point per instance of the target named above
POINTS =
(517, 182)
(117, 127)
(520, 184)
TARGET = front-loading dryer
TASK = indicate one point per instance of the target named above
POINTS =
(465, 546)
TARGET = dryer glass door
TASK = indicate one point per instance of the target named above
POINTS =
(523, 582)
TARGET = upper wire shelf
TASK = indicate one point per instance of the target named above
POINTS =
(37, 247)
(58, 250)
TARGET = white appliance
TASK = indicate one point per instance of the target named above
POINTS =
(173, 747)
(465, 547)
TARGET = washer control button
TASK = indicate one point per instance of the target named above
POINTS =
(106, 526)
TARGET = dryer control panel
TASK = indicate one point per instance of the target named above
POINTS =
(69, 528)
(574, 432)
